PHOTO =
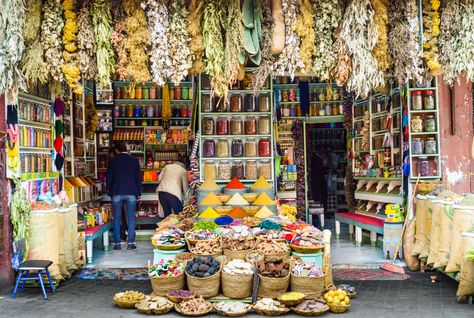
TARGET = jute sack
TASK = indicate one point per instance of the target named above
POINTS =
(463, 220)
(412, 261)
(71, 252)
(466, 284)
(425, 249)
(421, 210)
(444, 237)
(236, 286)
(437, 209)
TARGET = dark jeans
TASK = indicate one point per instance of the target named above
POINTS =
(130, 204)
(170, 203)
(123, 225)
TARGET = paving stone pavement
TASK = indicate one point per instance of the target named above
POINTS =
(416, 297)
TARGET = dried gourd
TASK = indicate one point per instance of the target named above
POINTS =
(278, 33)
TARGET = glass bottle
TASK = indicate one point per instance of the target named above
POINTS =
(428, 100)
(209, 148)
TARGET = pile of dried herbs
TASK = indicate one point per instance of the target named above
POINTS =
(451, 23)
(305, 31)
(178, 38)
(118, 36)
(196, 10)
(234, 41)
(266, 66)
(51, 29)
(86, 44)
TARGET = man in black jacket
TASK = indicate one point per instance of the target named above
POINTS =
(124, 185)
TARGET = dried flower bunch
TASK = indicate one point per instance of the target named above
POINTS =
(431, 22)
(51, 29)
(305, 31)
(289, 60)
(380, 50)
(117, 39)
(102, 21)
(214, 21)
(451, 23)
(403, 41)
(178, 38)
(327, 19)
(360, 35)
(86, 44)
(343, 67)
(32, 21)
(70, 67)
(266, 66)
(234, 41)
(136, 40)
(196, 10)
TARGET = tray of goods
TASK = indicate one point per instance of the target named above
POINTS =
(274, 268)
(307, 278)
(180, 295)
(224, 220)
(184, 257)
(251, 221)
(198, 235)
(237, 279)
(311, 307)
(238, 267)
(128, 299)
(350, 290)
(307, 270)
(207, 247)
(274, 277)
(223, 210)
(185, 225)
(166, 276)
(169, 220)
(273, 248)
(291, 298)
(203, 266)
(154, 305)
(171, 239)
(250, 197)
(254, 256)
(189, 212)
(337, 300)
(288, 211)
(194, 307)
(238, 237)
(232, 309)
(270, 307)
(295, 226)
(269, 235)
(308, 241)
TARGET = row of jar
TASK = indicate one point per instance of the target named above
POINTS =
(151, 122)
(225, 170)
(423, 124)
(236, 148)
(153, 92)
(150, 111)
(32, 111)
(424, 147)
(423, 100)
(236, 103)
(237, 125)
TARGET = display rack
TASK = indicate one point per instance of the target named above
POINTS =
(288, 178)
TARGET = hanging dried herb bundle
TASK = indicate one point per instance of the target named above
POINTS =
(266, 67)
(51, 28)
(86, 44)
(32, 21)
(179, 41)
(360, 35)
(289, 60)
(214, 20)
(343, 67)
(431, 22)
(196, 10)
(327, 19)
(403, 41)
(118, 42)
(252, 17)
(305, 31)
(380, 50)
(234, 41)
(102, 21)
(70, 67)
(451, 23)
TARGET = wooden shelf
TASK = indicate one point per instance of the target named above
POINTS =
(379, 197)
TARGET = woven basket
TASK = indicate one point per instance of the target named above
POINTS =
(306, 250)
(236, 286)
(291, 303)
(272, 287)
(192, 245)
(231, 314)
(169, 247)
(311, 313)
(264, 312)
(142, 308)
(338, 309)
(249, 260)
(163, 285)
(177, 307)
(192, 241)
(175, 299)
(180, 257)
(127, 304)
(206, 287)
(312, 287)
(284, 256)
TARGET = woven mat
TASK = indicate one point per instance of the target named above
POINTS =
(367, 274)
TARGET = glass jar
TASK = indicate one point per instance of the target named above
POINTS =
(328, 110)
(417, 101)
(236, 103)
(185, 93)
(417, 146)
(250, 148)
(117, 94)
(210, 170)
(249, 103)
(236, 126)
(137, 111)
(264, 147)
(423, 167)
(146, 92)
(322, 110)
(430, 146)
(138, 92)
(124, 92)
(209, 148)
(220, 104)
(416, 124)
(430, 123)
(152, 92)
(129, 111)
(263, 103)
(264, 125)
(206, 104)
(284, 95)
(237, 148)
(208, 126)
(150, 111)
(428, 100)
(171, 92)
(238, 170)
(251, 170)
(250, 125)
(224, 170)
(222, 126)
(222, 148)
(177, 93)
(335, 109)
(265, 169)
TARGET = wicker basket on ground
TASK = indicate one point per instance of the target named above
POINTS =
(206, 287)
(272, 287)
(163, 285)
(307, 249)
(236, 286)
(312, 287)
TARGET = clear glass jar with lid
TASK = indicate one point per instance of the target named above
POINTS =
(265, 169)
(238, 170)
(249, 103)
(264, 147)
(251, 170)
(224, 170)
(263, 103)
(222, 148)
(428, 100)
(209, 148)
(430, 124)
(264, 125)
(250, 148)
(236, 103)
(210, 170)
(250, 125)
(417, 146)
(416, 124)
(236, 126)
(206, 103)
(237, 148)
(222, 126)
(417, 100)
(208, 126)
(431, 146)
(423, 167)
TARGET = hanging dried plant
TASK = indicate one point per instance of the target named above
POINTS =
(343, 67)
(214, 20)
(51, 28)
(380, 50)
(179, 41)
(266, 67)
(70, 67)
(102, 21)
(196, 10)
(360, 35)
(403, 41)
(86, 44)
(327, 19)
(32, 21)
(305, 31)
(118, 42)
(431, 22)
(289, 60)
(234, 41)
(451, 23)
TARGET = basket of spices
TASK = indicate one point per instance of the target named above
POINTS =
(203, 276)
(237, 241)
(254, 256)
(180, 295)
(128, 299)
(270, 307)
(291, 299)
(166, 276)
(194, 307)
(154, 305)
(232, 309)
(273, 249)
(307, 278)
(184, 257)
(237, 279)
(212, 247)
(274, 277)
(311, 307)
(308, 241)
(170, 239)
